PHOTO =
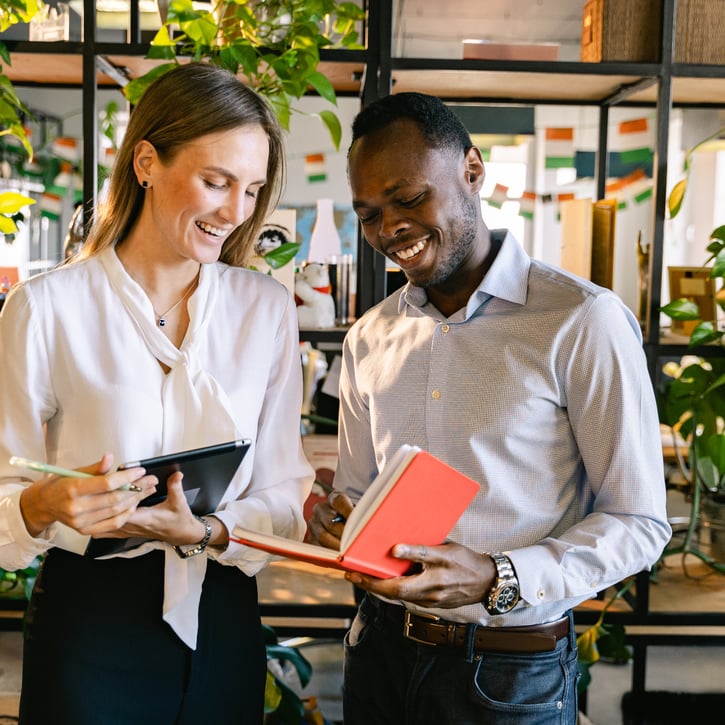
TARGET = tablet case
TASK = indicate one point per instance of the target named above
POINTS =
(207, 474)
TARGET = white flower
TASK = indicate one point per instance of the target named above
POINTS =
(674, 370)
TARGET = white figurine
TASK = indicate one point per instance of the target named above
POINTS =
(313, 293)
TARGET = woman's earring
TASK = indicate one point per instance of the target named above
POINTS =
(145, 184)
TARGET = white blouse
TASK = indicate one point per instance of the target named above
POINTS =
(80, 375)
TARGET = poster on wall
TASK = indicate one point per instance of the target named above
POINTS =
(345, 221)
(279, 229)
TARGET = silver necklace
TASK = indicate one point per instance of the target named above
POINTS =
(161, 318)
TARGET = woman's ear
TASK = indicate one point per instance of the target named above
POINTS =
(144, 158)
(474, 169)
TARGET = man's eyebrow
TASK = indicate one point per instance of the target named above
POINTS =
(388, 191)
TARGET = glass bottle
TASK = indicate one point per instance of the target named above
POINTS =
(325, 239)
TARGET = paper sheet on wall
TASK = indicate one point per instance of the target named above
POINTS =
(576, 236)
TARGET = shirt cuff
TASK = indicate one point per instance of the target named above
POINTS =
(18, 531)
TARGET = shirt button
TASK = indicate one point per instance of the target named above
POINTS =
(435, 394)
(540, 594)
(445, 328)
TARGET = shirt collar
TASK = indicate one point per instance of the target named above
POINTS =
(507, 277)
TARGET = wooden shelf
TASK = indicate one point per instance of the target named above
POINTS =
(66, 69)
(61, 64)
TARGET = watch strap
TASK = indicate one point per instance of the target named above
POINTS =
(506, 583)
(199, 548)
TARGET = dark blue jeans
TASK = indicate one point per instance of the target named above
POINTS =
(391, 680)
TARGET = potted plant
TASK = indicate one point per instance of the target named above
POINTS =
(691, 399)
(275, 44)
(11, 108)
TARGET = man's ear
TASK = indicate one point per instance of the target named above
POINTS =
(474, 169)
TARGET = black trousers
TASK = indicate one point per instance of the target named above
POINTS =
(97, 652)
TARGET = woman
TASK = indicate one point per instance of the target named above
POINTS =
(155, 340)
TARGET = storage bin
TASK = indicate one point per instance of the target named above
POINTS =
(629, 30)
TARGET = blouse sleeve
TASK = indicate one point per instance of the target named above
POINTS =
(281, 476)
(26, 402)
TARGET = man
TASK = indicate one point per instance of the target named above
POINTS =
(524, 377)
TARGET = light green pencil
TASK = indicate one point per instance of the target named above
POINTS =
(58, 471)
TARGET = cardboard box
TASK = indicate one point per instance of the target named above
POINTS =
(488, 50)
(630, 30)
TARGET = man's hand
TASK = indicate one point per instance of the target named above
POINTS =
(451, 576)
(328, 520)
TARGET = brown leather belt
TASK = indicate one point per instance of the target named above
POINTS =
(432, 630)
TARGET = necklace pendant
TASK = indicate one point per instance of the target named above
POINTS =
(162, 321)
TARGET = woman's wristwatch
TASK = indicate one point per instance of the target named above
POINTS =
(199, 548)
(504, 594)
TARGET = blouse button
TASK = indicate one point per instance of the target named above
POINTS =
(445, 328)
(435, 394)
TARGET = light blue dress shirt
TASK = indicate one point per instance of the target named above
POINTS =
(538, 389)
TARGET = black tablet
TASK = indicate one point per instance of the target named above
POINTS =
(207, 474)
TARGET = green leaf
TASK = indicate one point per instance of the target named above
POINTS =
(295, 658)
(5, 53)
(281, 105)
(585, 676)
(163, 38)
(718, 268)
(611, 643)
(246, 56)
(321, 83)
(716, 449)
(674, 201)
(17, 131)
(718, 233)
(137, 87)
(272, 694)
(180, 11)
(7, 225)
(201, 30)
(333, 126)
(12, 201)
(291, 709)
(285, 253)
(703, 334)
(586, 643)
(681, 309)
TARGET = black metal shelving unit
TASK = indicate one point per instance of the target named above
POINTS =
(375, 72)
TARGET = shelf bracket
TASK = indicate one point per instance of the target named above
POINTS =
(105, 66)
(623, 92)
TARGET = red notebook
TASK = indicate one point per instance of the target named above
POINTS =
(417, 499)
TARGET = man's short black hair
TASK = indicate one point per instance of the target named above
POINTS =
(440, 126)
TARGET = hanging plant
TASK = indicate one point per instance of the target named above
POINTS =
(274, 44)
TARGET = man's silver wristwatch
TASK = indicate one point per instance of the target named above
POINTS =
(504, 594)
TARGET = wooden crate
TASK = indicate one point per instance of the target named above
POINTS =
(629, 30)
(621, 30)
(699, 31)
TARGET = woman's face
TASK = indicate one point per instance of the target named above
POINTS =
(208, 189)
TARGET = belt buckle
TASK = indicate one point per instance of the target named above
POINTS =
(408, 625)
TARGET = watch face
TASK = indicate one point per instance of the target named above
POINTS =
(506, 598)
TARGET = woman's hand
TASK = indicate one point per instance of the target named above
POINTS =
(450, 575)
(328, 520)
(171, 520)
(94, 505)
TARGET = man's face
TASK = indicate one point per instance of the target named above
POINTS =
(414, 203)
